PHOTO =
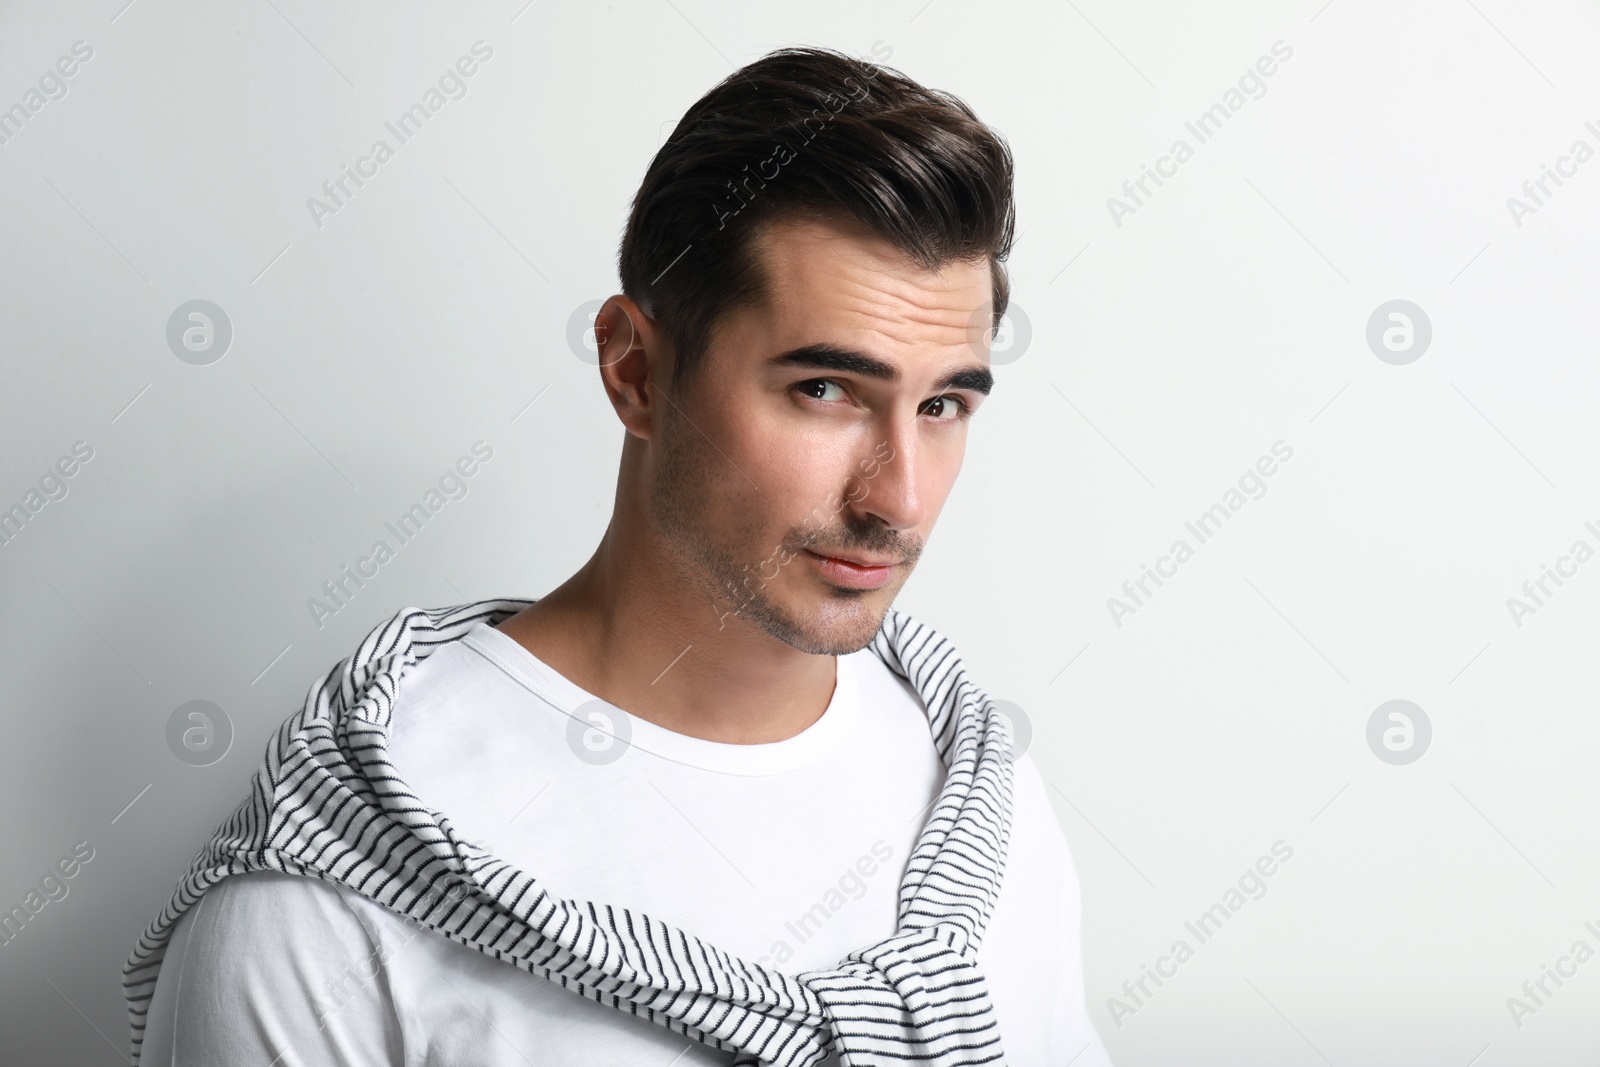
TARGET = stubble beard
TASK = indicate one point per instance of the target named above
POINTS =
(681, 499)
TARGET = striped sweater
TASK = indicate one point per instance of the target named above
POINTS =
(327, 803)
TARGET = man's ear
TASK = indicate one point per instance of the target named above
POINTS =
(635, 357)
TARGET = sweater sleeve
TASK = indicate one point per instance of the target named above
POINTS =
(272, 968)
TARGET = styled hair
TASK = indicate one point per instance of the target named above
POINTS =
(814, 133)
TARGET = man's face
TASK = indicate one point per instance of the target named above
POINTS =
(828, 422)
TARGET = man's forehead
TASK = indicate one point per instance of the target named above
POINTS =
(839, 270)
(840, 259)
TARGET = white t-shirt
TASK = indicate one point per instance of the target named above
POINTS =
(788, 854)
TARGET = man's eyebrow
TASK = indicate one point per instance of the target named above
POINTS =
(848, 360)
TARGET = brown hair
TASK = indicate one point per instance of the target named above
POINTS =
(809, 132)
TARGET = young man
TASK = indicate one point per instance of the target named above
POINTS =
(712, 784)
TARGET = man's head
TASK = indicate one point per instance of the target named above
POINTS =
(811, 273)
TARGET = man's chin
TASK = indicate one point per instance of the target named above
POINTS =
(842, 624)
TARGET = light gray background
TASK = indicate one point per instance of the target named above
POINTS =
(1167, 354)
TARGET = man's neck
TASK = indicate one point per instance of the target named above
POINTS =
(657, 650)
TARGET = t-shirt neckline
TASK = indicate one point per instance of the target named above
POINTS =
(837, 721)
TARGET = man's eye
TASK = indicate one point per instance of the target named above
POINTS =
(816, 386)
(950, 403)
(948, 408)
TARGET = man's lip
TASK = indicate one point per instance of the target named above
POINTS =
(857, 562)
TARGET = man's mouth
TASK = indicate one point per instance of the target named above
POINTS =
(860, 572)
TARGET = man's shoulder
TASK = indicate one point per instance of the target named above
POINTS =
(1038, 842)
(447, 706)
(252, 932)
(275, 908)
(261, 961)
(471, 726)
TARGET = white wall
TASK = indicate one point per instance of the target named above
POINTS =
(1227, 312)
